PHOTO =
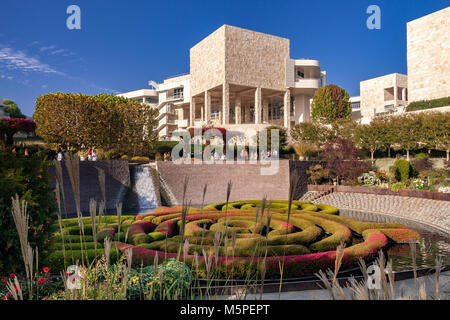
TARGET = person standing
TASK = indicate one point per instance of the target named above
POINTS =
(94, 155)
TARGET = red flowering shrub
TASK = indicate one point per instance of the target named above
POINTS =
(10, 126)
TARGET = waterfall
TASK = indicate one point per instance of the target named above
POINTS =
(145, 188)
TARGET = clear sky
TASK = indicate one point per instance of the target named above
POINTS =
(123, 44)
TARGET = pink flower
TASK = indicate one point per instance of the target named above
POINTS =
(46, 269)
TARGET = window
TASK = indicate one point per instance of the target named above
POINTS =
(214, 114)
(151, 100)
(178, 93)
(388, 107)
(356, 105)
(300, 74)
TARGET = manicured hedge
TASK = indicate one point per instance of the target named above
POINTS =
(305, 241)
(428, 104)
(59, 262)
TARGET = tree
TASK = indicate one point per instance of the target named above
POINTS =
(101, 121)
(330, 103)
(344, 128)
(312, 133)
(10, 126)
(407, 129)
(370, 137)
(387, 130)
(436, 131)
(341, 162)
(13, 110)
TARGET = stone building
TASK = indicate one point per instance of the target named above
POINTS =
(239, 80)
(383, 95)
(428, 47)
(428, 59)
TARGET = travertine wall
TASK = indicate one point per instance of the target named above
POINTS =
(372, 93)
(428, 47)
(241, 57)
(207, 62)
(255, 59)
(248, 183)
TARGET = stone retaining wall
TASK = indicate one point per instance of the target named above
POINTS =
(248, 183)
(117, 182)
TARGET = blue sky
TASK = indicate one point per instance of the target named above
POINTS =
(123, 44)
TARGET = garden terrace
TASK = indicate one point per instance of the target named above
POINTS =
(236, 237)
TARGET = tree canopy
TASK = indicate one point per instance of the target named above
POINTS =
(13, 110)
(408, 131)
(330, 103)
(101, 121)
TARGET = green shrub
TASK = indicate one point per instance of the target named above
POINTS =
(139, 238)
(74, 246)
(398, 186)
(57, 261)
(164, 146)
(428, 104)
(421, 155)
(104, 233)
(404, 170)
(156, 236)
(145, 282)
(72, 239)
(28, 178)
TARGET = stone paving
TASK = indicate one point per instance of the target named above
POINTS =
(404, 290)
(432, 212)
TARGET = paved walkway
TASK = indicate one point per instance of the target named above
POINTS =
(432, 212)
(404, 290)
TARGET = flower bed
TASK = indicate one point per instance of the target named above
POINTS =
(234, 239)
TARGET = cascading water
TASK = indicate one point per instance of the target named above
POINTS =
(145, 190)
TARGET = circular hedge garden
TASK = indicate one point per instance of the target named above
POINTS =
(233, 239)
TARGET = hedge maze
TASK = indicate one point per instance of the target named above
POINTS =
(234, 238)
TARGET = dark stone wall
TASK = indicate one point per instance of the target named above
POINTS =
(248, 183)
(299, 167)
(117, 178)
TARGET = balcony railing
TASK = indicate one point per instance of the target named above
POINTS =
(176, 96)
(307, 83)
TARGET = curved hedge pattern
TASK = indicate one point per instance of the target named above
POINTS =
(305, 241)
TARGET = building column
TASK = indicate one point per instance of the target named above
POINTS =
(207, 106)
(225, 103)
(265, 111)
(192, 112)
(247, 114)
(237, 110)
(202, 114)
(395, 95)
(258, 105)
(404, 94)
(287, 109)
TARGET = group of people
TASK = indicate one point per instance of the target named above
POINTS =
(92, 155)
(25, 150)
